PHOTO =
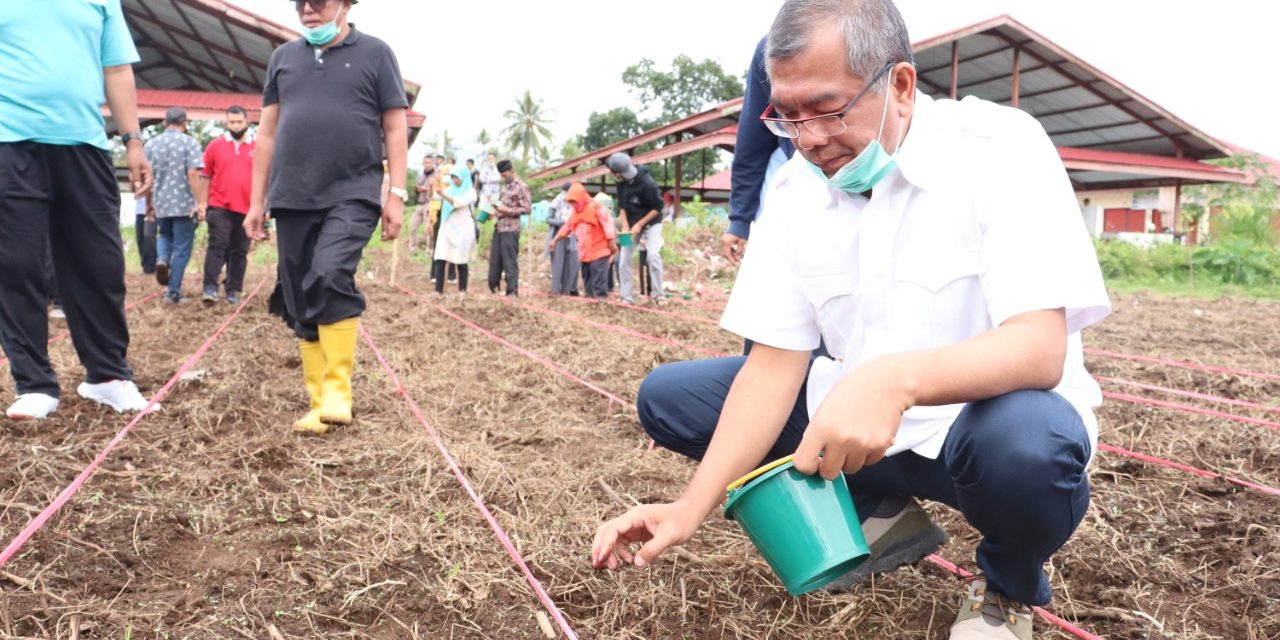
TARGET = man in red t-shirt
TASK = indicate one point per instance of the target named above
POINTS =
(224, 195)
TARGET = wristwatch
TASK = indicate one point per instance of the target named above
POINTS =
(399, 192)
(125, 138)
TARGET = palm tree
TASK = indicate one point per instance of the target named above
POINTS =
(528, 130)
(483, 139)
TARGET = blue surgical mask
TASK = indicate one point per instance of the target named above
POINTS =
(866, 169)
(323, 34)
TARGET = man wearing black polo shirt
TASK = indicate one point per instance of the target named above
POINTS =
(331, 99)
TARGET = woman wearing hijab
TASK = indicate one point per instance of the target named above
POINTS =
(457, 229)
(490, 183)
(597, 239)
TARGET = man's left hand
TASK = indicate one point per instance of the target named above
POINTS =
(139, 168)
(856, 423)
(392, 218)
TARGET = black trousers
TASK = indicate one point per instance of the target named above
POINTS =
(504, 255)
(595, 275)
(320, 251)
(62, 200)
(51, 278)
(145, 234)
(437, 273)
(229, 245)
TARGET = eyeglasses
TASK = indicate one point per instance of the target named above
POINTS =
(316, 5)
(831, 124)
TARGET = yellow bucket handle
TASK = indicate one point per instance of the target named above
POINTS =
(758, 472)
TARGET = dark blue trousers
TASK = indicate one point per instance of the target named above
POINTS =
(1013, 465)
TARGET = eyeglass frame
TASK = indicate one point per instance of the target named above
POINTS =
(838, 115)
(298, 4)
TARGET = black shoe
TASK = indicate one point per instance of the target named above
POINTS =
(210, 296)
(162, 274)
(233, 298)
(898, 533)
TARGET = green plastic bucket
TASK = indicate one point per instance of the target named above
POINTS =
(483, 217)
(804, 526)
(624, 239)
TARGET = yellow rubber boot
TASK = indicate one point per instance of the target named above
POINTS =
(339, 343)
(313, 372)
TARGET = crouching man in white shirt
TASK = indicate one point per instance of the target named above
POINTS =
(937, 248)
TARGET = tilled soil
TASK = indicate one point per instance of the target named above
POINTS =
(213, 520)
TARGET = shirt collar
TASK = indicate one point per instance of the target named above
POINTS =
(918, 157)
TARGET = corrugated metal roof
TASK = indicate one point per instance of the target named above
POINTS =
(1078, 104)
(208, 46)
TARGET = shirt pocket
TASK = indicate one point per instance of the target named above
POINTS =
(938, 297)
(831, 297)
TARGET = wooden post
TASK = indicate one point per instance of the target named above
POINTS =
(955, 68)
(1177, 205)
(1017, 75)
(679, 179)
(395, 257)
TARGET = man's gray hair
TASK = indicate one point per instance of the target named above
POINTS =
(874, 32)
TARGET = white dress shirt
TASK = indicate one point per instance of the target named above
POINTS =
(978, 223)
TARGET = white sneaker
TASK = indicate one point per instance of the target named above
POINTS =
(987, 615)
(57, 313)
(121, 395)
(32, 406)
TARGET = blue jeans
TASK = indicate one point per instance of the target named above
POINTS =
(1013, 465)
(173, 247)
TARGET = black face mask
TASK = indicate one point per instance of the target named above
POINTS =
(238, 134)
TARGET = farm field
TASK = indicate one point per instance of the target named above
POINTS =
(212, 520)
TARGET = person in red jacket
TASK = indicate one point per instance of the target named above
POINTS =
(597, 239)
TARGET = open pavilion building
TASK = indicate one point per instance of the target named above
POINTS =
(1127, 157)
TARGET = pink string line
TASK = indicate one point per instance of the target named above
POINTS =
(1191, 394)
(1106, 447)
(65, 496)
(613, 328)
(1189, 409)
(623, 305)
(67, 333)
(1110, 448)
(1059, 622)
(524, 352)
(1182, 364)
(475, 497)
(700, 305)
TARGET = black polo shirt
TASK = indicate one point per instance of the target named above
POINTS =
(328, 146)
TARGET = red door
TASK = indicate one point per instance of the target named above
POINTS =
(1117, 220)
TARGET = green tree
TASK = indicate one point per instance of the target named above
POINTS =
(1245, 211)
(527, 132)
(571, 149)
(614, 125)
(483, 139)
(687, 88)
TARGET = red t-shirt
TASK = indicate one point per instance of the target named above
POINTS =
(229, 168)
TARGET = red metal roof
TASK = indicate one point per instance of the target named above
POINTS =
(720, 182)
(711, 120)
(1072, 155)
(209, 105)
(209, 46)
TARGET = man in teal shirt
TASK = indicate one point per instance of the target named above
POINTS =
(60, 60)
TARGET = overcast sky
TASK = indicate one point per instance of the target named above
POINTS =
(1214, 64)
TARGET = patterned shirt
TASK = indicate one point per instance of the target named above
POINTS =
(515, 196)
(172, 154)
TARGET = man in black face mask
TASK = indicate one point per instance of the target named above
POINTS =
(224, 194)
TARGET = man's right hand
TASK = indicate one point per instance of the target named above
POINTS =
(255, 223)
(732, 247)
(657, 526)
